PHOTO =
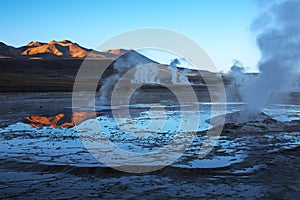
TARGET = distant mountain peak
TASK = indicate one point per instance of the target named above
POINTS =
(58, 49)
(52, 41)
(34, 44)
(65, 41)
(63, 48)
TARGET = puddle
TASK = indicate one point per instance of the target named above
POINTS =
(62, 146)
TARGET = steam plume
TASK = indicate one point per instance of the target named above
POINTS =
(153, 73)
(279, 43)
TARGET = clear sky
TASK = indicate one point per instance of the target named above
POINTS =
(221, 27)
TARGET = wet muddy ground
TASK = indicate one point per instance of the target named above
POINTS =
(44, 163)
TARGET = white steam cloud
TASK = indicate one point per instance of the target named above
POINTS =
(279, 43)
(153, 74)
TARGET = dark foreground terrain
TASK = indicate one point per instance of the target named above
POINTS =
(51, 163)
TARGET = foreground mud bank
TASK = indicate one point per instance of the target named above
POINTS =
(272, 182)
(252, 159)
(55, 165)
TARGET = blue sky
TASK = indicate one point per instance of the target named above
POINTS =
(221, 27)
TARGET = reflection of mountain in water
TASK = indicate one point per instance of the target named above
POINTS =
(60, 120)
